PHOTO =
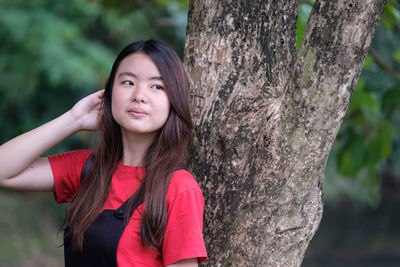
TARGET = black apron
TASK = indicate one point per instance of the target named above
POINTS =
(102, 236)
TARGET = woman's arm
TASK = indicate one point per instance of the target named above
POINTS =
(22, 168)
(193, 262)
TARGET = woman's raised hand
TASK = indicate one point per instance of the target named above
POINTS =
(88, 111)
(30, 172)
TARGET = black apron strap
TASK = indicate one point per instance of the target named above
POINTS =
(120, 212)
(87, 166)
(181, 166)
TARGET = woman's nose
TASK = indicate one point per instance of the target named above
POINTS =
(138, 94)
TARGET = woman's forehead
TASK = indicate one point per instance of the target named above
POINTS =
(140, 65)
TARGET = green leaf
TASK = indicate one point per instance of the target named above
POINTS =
(368, 63)
(184, 4)
(351, 156)
(385, 140)
(391, 101)
(369, 185)
(363, 99)
(381, 146)
(388, 15)
(302, 18)
(396, 55)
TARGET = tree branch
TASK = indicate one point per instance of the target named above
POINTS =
(328, 65)
(335, 45)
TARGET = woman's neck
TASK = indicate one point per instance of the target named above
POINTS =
(135, 147)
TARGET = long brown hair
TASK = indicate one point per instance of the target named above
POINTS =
(160, 161)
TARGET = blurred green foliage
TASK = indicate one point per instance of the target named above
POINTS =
(368, 143)
(54, 52)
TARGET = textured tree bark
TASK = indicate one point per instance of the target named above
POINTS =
(266, 119)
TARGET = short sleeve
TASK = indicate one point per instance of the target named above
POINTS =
(183, 238)
(67, 168)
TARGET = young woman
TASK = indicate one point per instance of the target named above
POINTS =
(143, 118)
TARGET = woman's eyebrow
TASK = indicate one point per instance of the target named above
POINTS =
(127, 73)
(130, 74)
(157, 78)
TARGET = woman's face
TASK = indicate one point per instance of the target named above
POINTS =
(140, 104)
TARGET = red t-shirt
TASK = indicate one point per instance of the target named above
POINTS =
(183, 237)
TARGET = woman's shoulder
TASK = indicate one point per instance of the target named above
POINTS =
(67, 168)
(182, 181)
(78, 155)
(71, 161)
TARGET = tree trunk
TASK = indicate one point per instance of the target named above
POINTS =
(266, 119)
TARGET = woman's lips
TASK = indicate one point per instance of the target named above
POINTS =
(137, 112)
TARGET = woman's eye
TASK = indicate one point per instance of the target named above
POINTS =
(158, 87)
(127, 82)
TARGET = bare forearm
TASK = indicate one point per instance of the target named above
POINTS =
(192, 262)
(19, 153)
